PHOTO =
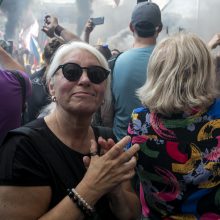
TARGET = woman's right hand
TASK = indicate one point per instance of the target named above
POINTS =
(111, 169)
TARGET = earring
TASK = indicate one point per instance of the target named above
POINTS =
(53, 99)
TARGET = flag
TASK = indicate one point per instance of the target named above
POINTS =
(35, 50)
(26, 34)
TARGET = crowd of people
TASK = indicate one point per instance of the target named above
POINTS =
(104, 134)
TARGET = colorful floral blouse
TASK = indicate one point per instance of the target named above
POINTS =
(178, 168)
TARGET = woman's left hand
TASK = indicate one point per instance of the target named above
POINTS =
(105, 146)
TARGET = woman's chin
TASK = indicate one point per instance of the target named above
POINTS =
(84, 111)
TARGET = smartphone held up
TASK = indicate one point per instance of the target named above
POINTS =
(97, 20)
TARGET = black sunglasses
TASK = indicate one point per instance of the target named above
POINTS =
(73, 72)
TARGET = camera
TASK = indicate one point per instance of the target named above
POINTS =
(7, 45)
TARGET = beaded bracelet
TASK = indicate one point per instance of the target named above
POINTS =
(58, 29)
(80, 202)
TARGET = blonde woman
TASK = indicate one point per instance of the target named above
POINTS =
(178, 130)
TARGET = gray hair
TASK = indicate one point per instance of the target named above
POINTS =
(67, 48)
(180, 76)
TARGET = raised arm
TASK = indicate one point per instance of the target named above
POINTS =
(215, 41)
(52, 27)
(89, 27)
(7, 62)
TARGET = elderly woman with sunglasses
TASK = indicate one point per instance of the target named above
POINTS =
(51, 168)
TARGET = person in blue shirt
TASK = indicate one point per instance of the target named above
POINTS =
(130, 67)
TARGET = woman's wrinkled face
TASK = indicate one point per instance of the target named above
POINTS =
(81, 96)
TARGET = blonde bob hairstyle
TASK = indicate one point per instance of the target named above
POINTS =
(67, 48)
(180, 76)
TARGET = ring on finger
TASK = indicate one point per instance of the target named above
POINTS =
(93, 153)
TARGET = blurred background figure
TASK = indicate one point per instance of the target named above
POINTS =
(15, 89)
(214, 41)
(89, 27)
(40, 97)
(213, 44)
(52, 28)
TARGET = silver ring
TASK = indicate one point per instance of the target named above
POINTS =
(93, 153)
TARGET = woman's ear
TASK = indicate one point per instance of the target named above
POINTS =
(51, 87)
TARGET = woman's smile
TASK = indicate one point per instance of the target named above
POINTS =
(83, 94)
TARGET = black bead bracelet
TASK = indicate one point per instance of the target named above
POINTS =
(85, 208)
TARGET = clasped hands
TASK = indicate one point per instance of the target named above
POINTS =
(107, 171)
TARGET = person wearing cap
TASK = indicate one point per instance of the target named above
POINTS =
(130, 67)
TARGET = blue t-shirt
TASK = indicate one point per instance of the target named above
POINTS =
(129, 74)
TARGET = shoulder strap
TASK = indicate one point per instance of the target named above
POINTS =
(60, 168)
(112, 60)
(21, 80)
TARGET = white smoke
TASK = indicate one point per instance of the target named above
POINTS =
(198, 16)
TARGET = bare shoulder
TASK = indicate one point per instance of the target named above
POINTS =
(24, 203)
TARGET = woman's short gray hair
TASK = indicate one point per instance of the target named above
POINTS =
(180, 76)
(67, 48)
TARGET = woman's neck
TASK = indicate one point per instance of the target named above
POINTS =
(72, 131)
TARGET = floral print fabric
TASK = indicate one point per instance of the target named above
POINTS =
(178, 167)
